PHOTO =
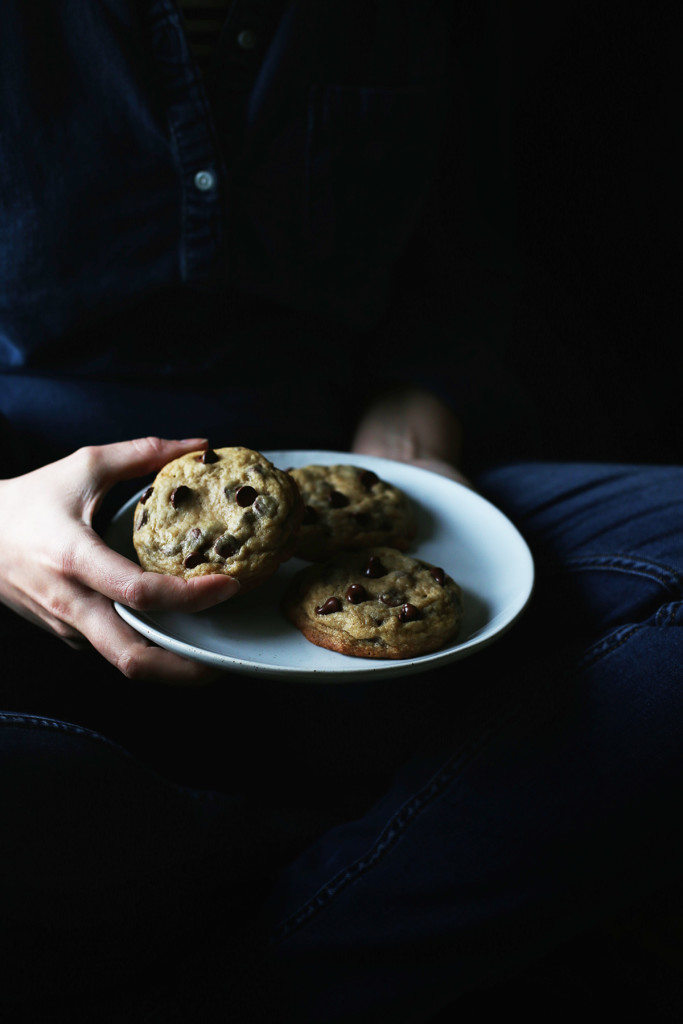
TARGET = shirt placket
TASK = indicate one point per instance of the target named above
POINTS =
(198, 160)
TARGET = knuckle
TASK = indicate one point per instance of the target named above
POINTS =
(59, 607)
(66, 563)
(150, 445)
(67, 633)
(88, 458)
(131, 664)
(135, 594)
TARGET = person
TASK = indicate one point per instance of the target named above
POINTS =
(263, 252)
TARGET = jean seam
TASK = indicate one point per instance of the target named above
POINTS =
(580, 489)
(399, 822)
(390, 835)
(36, 723)
(666, 615)
(606, 646)
(627, 564)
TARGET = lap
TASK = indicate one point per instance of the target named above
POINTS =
(515, 794)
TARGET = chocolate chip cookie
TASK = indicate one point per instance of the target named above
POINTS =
(375, 603)
(225, 511)
(349, 507)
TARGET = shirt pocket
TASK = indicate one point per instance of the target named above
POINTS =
(370, 157)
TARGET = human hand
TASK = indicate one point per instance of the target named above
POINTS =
(56, 571)
(411, 425)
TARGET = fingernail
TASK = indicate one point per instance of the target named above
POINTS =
(230, 585)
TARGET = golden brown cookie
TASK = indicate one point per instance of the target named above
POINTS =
(225, 511)
(375, 603)
(350, 507)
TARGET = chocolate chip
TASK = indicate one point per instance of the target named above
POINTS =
(195, 533)
(408, 613)
(438, 574)
(142, 519)
(333, 604)
(391, 598)
(147, 495)
(374, 568)
(179, 495)
(368, 478)
(310, 516)
(245, 495)
(226, 546)
(208, 456)
(194, 559)
(356, 593)
(337, 499)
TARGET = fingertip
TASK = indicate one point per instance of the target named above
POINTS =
(230, 585)
(221, 586)
(193, 442)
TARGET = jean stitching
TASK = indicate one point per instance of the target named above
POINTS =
(388, 838)
(398, 824)
(579, 490)
(666, 615)
(663, 617)
(662, 574)
(606, 646)
(33, 722)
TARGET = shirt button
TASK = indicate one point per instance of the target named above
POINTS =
(204, 180)
(247, 39)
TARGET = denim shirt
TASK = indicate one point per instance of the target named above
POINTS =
(188, 253)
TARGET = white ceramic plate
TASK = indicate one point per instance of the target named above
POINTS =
(457, 530)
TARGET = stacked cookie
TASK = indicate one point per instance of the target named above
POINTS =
(363, 595)
(350, 507)
(230, 510)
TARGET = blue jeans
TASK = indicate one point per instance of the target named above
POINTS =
(365, 854)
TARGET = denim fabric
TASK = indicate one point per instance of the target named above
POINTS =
(406, 841)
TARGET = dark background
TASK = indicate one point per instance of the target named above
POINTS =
(575, 141)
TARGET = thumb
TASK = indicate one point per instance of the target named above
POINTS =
(108, 464)
(123, 460)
